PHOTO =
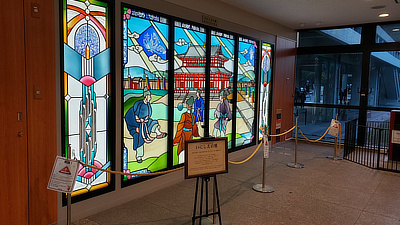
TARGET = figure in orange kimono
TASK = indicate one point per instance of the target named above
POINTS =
(186, 130)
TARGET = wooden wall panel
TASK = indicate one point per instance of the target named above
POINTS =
(40, 76)
(284, 81)
(13, 162)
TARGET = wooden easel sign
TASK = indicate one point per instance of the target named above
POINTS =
(206, 157)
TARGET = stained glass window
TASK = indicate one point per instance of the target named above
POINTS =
(145, 100)
(246, 86)
(221, 85)
(265, 88)
(86, 91)
(189, 86)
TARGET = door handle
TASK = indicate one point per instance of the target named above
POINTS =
(20, 134)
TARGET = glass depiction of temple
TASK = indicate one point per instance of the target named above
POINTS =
(190, 76)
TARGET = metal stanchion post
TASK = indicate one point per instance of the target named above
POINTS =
(264, 187)
(295, 164)
(335, 156)
(69, 195)
(337, 145)
(214, 204)
(336, 139)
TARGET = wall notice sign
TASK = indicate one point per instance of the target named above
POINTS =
(266, 147)
(63, 176)
(334, 128)
(278, 124)
(396, 136)
(206, 157)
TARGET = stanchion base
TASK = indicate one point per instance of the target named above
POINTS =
(334, 158)
(295, 165)
(266, 189)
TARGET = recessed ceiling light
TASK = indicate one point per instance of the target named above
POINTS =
(396, 29)
(383, 15)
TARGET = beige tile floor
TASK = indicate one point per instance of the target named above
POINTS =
(324, 192)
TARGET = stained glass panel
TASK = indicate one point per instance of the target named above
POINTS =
(265, 88)
(145, 82)
(87, 76)
(189, 64)
(221, 85)
(246, 85)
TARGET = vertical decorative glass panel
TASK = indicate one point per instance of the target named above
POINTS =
(189, 65)
(265, 88)
(145, 82)
(246, 87)
(86, 91)
(221, 84)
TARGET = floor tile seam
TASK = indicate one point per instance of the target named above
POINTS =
(258, 207)
(225, 200)
(346, 188)
(295, 198)
(241, 181)
(358, 210)
(337, 204)
(168, 209)
(345, 206)
(291, 176)
(373, 195)
(383, 215)
(159, 205)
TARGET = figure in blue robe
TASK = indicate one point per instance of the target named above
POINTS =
(199, 108)
(140, 125)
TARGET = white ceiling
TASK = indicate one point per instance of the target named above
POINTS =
(303, 14)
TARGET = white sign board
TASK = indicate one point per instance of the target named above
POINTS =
(63, 176)
(266, 147)
(396, 136)
(334, 131)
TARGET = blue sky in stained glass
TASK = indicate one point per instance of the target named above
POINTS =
(180, 34)
(243, 58)
(228, 42)
(139, 26)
